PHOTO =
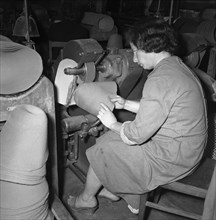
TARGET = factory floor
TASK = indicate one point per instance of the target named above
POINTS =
(118, 210)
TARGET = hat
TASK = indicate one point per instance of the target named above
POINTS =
(20, 67)
(103, 22)
(106, 24)
(4, 38)
(88, 96)
(24, 145)
(115, 42)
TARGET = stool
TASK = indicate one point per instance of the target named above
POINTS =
(195, 185)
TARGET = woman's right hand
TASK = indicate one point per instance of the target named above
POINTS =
(118, 101)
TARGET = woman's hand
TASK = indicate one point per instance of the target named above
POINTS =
(121, 103)
(118, 101)
(106, 116)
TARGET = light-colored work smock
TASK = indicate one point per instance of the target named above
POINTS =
(165, 141)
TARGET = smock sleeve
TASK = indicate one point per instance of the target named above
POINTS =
(155, 105)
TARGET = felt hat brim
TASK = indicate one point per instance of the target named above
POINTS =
(20, 67)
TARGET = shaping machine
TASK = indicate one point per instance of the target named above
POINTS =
(85, 61)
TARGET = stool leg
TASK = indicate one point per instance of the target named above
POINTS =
(142, 206)
(157, 194)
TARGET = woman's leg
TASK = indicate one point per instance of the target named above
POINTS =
(87, 197)
(109, 195)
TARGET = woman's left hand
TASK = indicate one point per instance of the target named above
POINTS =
(106, 116)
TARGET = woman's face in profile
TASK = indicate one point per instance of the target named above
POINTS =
(143, 59)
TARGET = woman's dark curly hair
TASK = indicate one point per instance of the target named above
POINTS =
(154, 35)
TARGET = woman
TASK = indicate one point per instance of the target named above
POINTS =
(164, 142)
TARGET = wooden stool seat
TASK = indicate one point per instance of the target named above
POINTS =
(196, 184)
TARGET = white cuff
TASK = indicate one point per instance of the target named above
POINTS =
(134, 211)
(123, 137)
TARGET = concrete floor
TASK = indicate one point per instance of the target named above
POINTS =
(118, 210)
(106, 211)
